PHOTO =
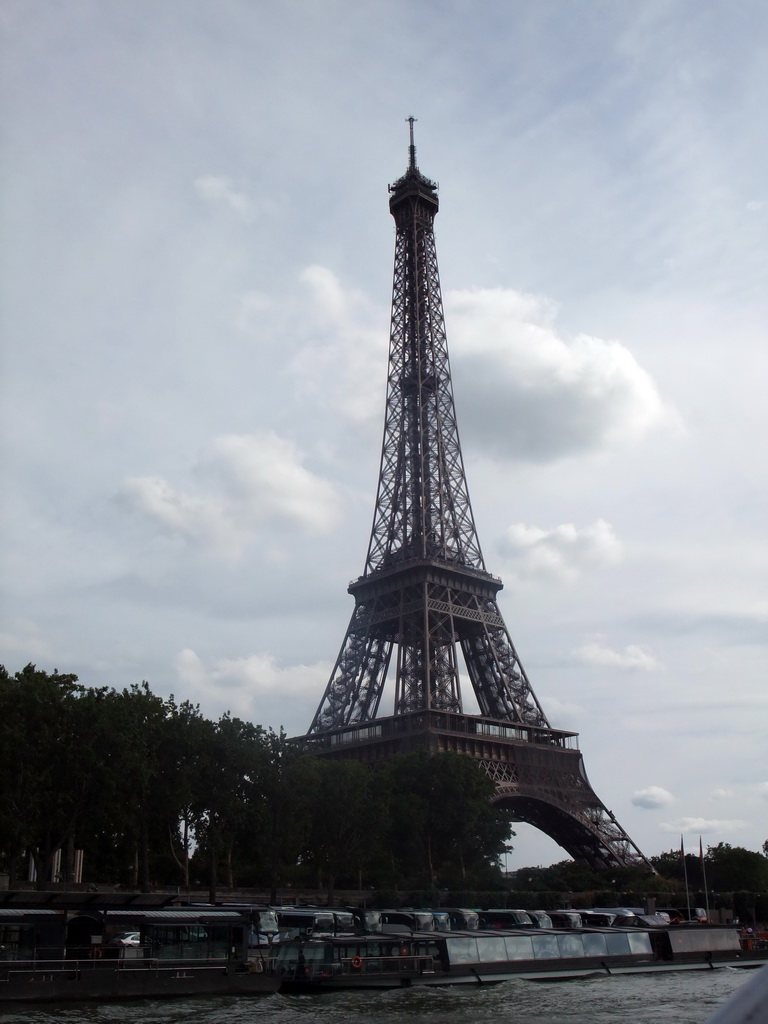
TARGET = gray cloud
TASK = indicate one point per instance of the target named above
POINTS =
(652, 797)
(528, 393)
(630, 658)
(244, 483)
(562, 552)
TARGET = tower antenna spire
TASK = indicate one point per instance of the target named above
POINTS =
(412, 146)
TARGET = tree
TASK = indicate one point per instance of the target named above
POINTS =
(51, 737)
(290, 789)
(441, 827)
(732, 868)
(231, 766)
(344, 823)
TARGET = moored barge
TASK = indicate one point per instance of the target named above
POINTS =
(58, 947)
(486, 957)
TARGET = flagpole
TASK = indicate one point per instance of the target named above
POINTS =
(704, 875)
(685, 876)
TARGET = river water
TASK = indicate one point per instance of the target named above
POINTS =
(687, 997)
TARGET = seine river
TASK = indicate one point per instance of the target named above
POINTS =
(688, 997)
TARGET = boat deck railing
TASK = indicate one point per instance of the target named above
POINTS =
(46, 967)
(357, 966)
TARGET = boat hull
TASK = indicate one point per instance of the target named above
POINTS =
(65, 982)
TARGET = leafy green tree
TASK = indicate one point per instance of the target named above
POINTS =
(52, 742)
(441, 827)
(232, 763)
(344, 823)
(290, 789)
(732, 868)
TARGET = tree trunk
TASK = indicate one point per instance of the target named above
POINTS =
(144, 857)
(230, 872)
(213, 867)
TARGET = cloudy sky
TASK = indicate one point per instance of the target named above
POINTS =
(196, 276)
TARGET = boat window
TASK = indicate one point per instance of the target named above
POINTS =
(370, 919)
(501, 919)
(545, 947)
(618, 943)
(345, 922)
(594, 944)
(428, 948)
(539, 919)
(519, 947)
(291, 954)
(423, 922)
(462, 950)
(491, 948)
(172, 942)
(265, 921)
(17, 942)
(570, 945)
(639, 942)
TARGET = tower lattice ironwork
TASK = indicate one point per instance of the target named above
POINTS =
(426, 594)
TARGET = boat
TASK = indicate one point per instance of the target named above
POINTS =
(101, 946)
(397, 960)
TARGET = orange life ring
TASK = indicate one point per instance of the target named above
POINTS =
(356, 962)
(95, 952)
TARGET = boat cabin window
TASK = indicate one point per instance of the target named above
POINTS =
(565, 919)
(617, 943)
(265, 922)
(594, 944)
(570, 945)
(539, 919)
(298, 923)
(170, 942)
(491, 948)
(293, 955)
(463, 920)
(689, 940)
(462, 950)
(545, 947)
(344, 922)
(17, 941)
(519, 947)
(368, 920)
(639, 942)
(502, 919)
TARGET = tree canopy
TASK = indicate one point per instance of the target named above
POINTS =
(154, 793)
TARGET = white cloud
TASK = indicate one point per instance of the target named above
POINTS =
(247, 483)
(652, 797)
(563, 551)
(343, 360)
(763, 790)
(632, 657)
(221, 190)
(254, 688)
(528, 393)
(562, 714)
(704, 826)
(721, 793)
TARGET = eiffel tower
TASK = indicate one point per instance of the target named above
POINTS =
(426, 592)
